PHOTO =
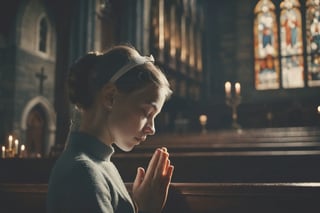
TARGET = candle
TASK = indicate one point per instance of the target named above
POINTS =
(238, 88)
(10, 142)
(16, 146)
(227, 87)
(3, 153)
(203, 119)
(22, 148)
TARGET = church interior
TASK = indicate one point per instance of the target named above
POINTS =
(243, 123)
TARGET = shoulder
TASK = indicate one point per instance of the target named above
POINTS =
(75, 168)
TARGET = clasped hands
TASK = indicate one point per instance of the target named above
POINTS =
(150, 188)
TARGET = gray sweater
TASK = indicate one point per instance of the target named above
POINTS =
(84, 179)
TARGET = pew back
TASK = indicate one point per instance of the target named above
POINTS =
(193, 197)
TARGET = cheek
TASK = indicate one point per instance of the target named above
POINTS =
(128, 121)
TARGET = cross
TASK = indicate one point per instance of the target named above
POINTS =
(41, 77)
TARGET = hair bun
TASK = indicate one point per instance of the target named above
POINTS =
(81, 75)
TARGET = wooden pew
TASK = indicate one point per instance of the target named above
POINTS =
(293, 138)
(223, 166)
(241, 166)
(224, 141)
(193, 197)
(23, 197)
(244, 197)
(226, 171)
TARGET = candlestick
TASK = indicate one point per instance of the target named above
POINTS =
(233, 101)
(3, 153)
(10, 138)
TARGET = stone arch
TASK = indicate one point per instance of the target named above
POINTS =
(50, 118)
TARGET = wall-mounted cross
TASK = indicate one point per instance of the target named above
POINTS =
(41, 77)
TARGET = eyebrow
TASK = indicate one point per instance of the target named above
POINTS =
(153, 105)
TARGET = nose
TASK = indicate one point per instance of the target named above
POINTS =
(149, 128)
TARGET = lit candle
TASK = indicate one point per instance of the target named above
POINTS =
(238, 88)
(10, 142)
(203, 119)
(318, 109)
(203, 122)
(227, 87)
(16, 146)
(3, 153)
(22, 148)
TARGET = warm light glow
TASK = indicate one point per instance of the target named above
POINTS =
(173, 32)
(318, 109)
(237, 88)
(161, 24)
(199, 54)
(183, 39)
(10, 138)
(22, 148)
(191, 48)
(227, 87)
(3, 153)
(203, 119)
(16, 146)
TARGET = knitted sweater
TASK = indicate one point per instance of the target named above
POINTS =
(84, 179)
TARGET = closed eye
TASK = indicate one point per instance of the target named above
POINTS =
(149, 110)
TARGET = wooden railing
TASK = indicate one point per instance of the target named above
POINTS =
(193, 197)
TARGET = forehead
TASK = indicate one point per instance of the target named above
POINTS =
(149, 94)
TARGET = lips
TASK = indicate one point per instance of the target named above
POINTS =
(141, 139)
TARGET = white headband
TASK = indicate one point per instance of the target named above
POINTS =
(135, 61)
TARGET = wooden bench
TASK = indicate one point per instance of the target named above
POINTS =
(244, 166)
(233, 166)
(244, 197)
(266, 139)
(193, 197)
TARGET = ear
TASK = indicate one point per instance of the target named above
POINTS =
(108, 92)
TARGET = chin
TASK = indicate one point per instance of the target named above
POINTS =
(124, 147)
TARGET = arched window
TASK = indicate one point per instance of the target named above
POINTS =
(313, 41)
(292, 63)
(43, 34)
(280, 57)
(266, 46)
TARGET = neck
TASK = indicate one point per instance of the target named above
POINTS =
(91, 123)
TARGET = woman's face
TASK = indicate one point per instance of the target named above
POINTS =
(132, 117)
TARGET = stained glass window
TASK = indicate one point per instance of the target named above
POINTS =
(280, 62)
(313, 41)
(291, 45)
(266, 46)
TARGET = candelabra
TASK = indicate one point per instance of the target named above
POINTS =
(233, 101)
(12, 150)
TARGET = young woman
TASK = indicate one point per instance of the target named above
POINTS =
(118, 94)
